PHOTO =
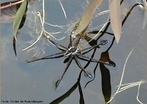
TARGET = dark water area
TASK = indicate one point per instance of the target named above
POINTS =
(123, 81)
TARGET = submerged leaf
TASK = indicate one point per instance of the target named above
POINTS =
(87, 16)
(115, 18)
(14, 46)
(106, 82)
(105, 58)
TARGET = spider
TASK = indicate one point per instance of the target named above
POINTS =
(72, 52)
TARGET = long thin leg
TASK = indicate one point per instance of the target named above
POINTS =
(67, 65)
(56, 55)
(80, 66)
(70, 42)
(59, 46)
(85, 58)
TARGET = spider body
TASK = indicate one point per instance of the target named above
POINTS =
(72, 52)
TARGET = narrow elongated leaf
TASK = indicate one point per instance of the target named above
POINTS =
(88, 14)
(19, 20)
(18, 17)
(106, 82)
(115, 18)
(14, 46)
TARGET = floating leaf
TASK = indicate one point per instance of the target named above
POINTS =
(115, 18)
(19, 20)
(22, 21)
(87, 16)
(18, 17)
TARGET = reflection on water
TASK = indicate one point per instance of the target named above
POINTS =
(117, 72)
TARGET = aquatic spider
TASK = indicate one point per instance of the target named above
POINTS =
(72, 52)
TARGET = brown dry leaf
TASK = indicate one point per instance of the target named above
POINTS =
(115, 18)
(88, 14)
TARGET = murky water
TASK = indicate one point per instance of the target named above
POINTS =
(22, 81)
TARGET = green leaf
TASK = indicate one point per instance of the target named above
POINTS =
(18, 22)
(18, 17)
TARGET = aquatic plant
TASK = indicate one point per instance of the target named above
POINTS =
(16, 11)
(115, 16)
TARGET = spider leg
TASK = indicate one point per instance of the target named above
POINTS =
(70, 42)
(67, 65)
(85, 58)
(93, 46)
(86, 50)
(59, 46)
(52, 56)
(66, 60)
(93, 75)
(82, 68)
(90, 58)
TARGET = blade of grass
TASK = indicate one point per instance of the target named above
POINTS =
(115, 18)
(17, 22)
(88, 14)
(18, 17)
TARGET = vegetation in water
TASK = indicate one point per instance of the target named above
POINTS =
(72, 50)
